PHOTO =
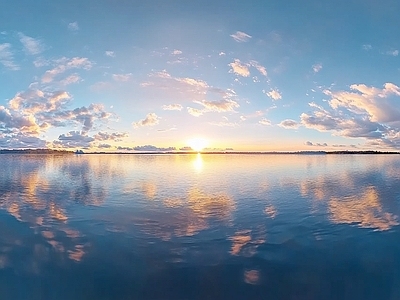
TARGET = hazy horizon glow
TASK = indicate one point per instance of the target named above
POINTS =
(154, 75)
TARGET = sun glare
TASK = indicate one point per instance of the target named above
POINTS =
(197, 144)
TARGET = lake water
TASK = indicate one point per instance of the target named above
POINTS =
(200, 226)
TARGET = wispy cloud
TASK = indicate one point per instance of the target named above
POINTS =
(393, 52)
(195, 112)
(172, 107)
(150, 120)
(122, 77)
(110, 53)
(32, 46)
(7, 58)
(73, 26)
(259, 67)
(64, 64)
(240, 36)
(317, 67)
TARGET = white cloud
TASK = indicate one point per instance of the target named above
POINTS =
(106, 136)
(367, 47)
(110, 53)
(176, 52)
(73, 26)
(260, 68)
(273, 94)
(364, 112)
(152, 148)
(150, 120)
(289, 124)
(240, 36)
(393, 52)
(32, 46)
(219, 106)
(74, 78)
(239, 68)
(194, 111)
(7, 58)
(317, 67)
(122, 77)
(222, 53)
(63, 64)
(172, 107)
(265, 122)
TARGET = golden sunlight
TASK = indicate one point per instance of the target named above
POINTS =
(197, 144)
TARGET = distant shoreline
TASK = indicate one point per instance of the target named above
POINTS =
(65, 152)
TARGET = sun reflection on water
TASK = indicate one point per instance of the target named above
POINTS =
(198, 163)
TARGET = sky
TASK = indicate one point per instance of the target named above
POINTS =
(119, 75)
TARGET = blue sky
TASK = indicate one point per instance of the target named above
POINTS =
(147, 75)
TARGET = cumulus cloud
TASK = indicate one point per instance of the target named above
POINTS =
(273, 94)
(317, 67)
(73, 139)
(21, 141)
(63, 64)
(239, 68)
(73, 26)
(366, 47)
(32, 46)
(240, 36)
(7, 58)
(363, 112)
(176, 52)
(122, 148)
(172, 107)
(110, 53)
(122, 77)
(150, 120)
(289, 124)
(152, 148)
(265, 122)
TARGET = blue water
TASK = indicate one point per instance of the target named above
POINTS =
(199, 226)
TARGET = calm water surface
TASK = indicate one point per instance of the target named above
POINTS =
(200, 227)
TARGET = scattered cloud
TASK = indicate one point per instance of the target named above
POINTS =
(259, 67)
(150, 120)
(289, 124)
(110, 53)
(195, 112)
(74, 78)
(73, 139)
(73, 26)
(239, 68)
(317, 67)
(153, 148)
(308, 143)
(240, 36)
(7, 58)
(172, 107)
(63, 64)
(273, 94)
(219, 106)
(363, 112)
(265, 122)
(221, 53)
(122, 77)
(176, 52)
(393, 52)
(32, 46)
(114, 136)
(366, 47)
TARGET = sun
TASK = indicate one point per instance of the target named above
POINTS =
(197, 144)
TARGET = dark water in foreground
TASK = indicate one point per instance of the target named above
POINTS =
(200, 227)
